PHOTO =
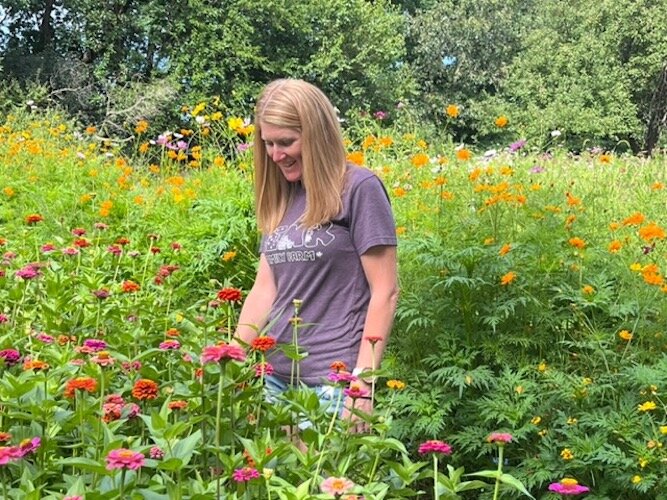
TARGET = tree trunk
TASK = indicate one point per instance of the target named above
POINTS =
(45, 28)
(657, 117)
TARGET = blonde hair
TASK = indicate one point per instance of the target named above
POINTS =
(300, 106)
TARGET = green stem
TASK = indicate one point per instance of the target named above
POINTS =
(329, 431)
(122, 484)
(435, 476)
(218, 412)
(496, 490)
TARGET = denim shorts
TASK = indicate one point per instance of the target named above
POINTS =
(327, 394)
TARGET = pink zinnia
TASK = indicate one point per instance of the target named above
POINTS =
(4, 318)
(435, 446)
(122, 458)
(94, 345)
(222, 352)
(245, 474)
(27, 273)
(341, 377)
(11, 356)
(9, 454)
(568, 487)
(355, 391)
(336, 486)
(499, 437)
(263, 369)
(29, 445)
(156, 453)
(170, 345)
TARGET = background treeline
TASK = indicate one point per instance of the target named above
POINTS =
(596, 71)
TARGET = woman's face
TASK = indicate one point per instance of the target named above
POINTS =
(283, 145)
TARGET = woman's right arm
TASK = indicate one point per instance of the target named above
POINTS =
(255, 310)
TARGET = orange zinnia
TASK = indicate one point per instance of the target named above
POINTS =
(145, 389)
(263, 344)
(130, 286)
(651, 232)
(87, 384)
(634, 220)
(577, 243)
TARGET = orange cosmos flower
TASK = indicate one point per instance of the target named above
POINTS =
(501, 121)
(572, 200)
(356, 157)
(419, 160)
(508, 278)
(87, 384)
(615, 246)
(504, 250)
(651, 232)
(145, 389)
(577, 243)
(463, 154)
(634, 220)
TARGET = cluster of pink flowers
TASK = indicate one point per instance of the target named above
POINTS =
(115, 408)
(263, 369)
(13, 453)
(435, 446)
(245, 474)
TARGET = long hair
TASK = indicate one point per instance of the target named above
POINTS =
(298, 105)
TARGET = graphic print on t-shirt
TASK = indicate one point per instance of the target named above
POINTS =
(294, 243)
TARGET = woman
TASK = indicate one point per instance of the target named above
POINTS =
(328, 241)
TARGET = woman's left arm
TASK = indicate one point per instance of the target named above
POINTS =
(380, 268)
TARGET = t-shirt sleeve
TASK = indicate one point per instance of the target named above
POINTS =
(371, 218)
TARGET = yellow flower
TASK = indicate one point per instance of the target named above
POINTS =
(657, 186)
(90, 130)
(501, 121)
(663, 430)
(396, 385)
(489, 241)
(216, 117)
(577, 242)
(625, 335)
(636, 266)
(198, 108)
(452, 111)
(141, 127)
(566, 454)
(143, 148)
(536, 420)
(519, 389)
(235, 123)
(228, 256)
(636, 479)
(571, 421)
(542, 367)
(9, 192)
(648, 406)
(400, 230)
(588, 290)
(605, 158)
(508, 278)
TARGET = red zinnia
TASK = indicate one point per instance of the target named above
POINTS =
(230, 295)
(87, 384)
(33, 219)
(145, 389)
(263, 344)
(130, 286)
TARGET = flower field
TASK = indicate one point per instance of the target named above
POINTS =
(527, 359)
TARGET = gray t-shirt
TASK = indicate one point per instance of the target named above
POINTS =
(322, 267)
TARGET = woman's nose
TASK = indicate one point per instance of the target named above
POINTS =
(277, 154)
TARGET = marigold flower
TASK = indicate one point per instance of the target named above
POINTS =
(336, 486)
(615, 246)
(356, 157)
(141, 127)
(145, 389)
(245, 474)
(568, 487)
(86, 384)
(435, 446)
(508, 278)
(419, 160)
(263, 344)
(636, 479)
(634, 220)
(504, 250)
(122, 458)
(229, 256)
(566, 454)
(587, 290)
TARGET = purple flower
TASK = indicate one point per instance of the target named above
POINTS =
(11, 356)
(537, 169)
(516, 146)
(242, 147)
(27, 273)
(380, 115)
(245, 474)
(101, 294)
(44, 337)
(94, 345)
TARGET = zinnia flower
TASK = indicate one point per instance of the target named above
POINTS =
(396, 385)
(435, 446)
(568, 487)
(170, 344)
(156, 453)
(263, 369)
(130, 286)
(230, 295)
(29, 445)
(10, 356)
(33, 219)
(499, 437)
(87, 384)
(222, 352)
(263, 343)
(245, 474)
(508, 278)
(336, 486)
(355, 391)
(122, 458)
(145, 389)
(177, 405)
